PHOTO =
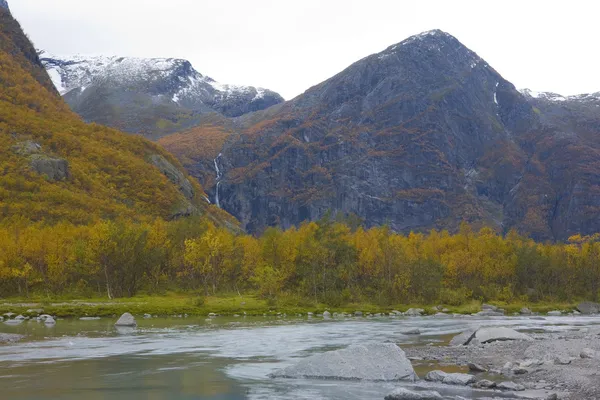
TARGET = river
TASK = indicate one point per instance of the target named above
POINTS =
(220, 358)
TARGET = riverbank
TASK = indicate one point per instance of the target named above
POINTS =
(182, 304)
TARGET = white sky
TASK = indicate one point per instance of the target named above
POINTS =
(290, 45)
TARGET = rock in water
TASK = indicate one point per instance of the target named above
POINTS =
(555, 313)
(405, 394)
(126, 320)
(435, 376)
(49, 321)
(371, 362)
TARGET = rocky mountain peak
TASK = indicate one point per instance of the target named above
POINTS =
(163, 94)
(4, 4)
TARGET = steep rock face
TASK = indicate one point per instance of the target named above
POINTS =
(152, 96)
(422, 135)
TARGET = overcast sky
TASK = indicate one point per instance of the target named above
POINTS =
(290, 45)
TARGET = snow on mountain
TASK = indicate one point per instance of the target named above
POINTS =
(79, 71)
(150, 95)
(555, 97)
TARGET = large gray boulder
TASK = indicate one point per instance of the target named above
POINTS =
(414, 312)
(55, 169)
(405, 394)
(370, 362)
(126, 320)
(588, 308)
(515, 387)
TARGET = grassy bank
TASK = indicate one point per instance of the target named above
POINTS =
(176, 304)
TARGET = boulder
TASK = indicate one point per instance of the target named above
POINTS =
(555, 313)
(449, 379)
(26, 148)
(515, 387)
(484, 384)
(459, 379)
(488, 307)
(370, 362)
(126, 320)
(588, 353)
(525, 311)
(436, 376)
(494, 334)
(588, 308)
(55, 169)
(50, 321)
(326, 315)
(463, 338)
(476, 367)
(562, 360)
(44, 317)
(414, 312)
(405, 394)
(358, 313)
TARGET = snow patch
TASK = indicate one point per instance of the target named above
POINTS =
(57, 80)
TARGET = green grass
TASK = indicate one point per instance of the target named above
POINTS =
(176, 303)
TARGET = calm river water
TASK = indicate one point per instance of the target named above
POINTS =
(223, 358)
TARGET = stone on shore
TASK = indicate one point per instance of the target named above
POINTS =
(463, 338)
(476, 367)
(370, 362)
(450, 379)
(587, 353)
(126, 320)
(555, 313)
(515, 387)
(588, 308)
(326, 315)
(414, 312)
(405, 394)
(484, 384)
(494, 334)
(525, 311)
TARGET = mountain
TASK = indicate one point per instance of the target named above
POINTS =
(56, 168)
(151, 96)
(423, 135)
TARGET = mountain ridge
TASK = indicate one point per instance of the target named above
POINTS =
(422, 135)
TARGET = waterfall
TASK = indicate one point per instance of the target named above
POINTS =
(219, 175)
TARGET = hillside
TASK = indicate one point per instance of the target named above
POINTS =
(150, 96)
(57, 168)
(423, 135)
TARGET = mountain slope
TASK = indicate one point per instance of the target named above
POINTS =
(422, 135)
(151, 96)
(57, 168)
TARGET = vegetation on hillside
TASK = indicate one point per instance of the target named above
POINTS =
(331, 262)
(110, 174)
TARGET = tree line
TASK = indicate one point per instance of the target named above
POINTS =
(331, 261)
